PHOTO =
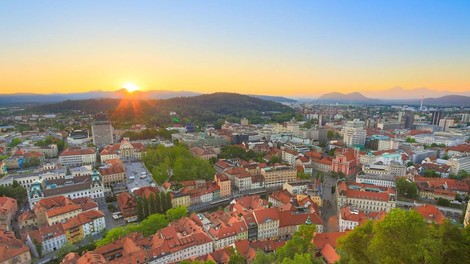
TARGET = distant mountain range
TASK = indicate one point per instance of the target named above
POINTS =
(25, 98)
(356, 98)
(400, 93)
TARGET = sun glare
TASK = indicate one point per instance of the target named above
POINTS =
(130, 87)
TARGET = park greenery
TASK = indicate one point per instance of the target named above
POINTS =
(15, 191)
(147, 227)
(405, 237)
(178, 161)
(231, 151)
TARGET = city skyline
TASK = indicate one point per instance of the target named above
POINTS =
(275, 48)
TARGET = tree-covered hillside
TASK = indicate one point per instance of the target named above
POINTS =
(211, 108)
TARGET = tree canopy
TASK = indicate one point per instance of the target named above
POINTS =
(405, 237)
(147, 227)
(161, 161)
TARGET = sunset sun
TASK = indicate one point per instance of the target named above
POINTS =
(131, 87)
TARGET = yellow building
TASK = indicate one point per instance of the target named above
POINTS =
(179, 199)
(73, 230)
(62, 214)
(224, 184)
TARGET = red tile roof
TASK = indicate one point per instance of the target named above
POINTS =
(431, 213)
(10, 246)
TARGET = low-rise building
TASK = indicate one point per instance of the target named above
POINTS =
(124, 151)
(69, 186)
(268, 222)
(224, 184)
(127, 206)
(84, 224)
(51, 238)
(112, 172)
(13, 250)
(365, 197)
(276, 176)
(350, 217)
(75, 157)
(8, 209)
(384, 180)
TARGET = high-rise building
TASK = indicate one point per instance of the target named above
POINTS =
(354, 133)
(409, 119)
(102, 132)
(436, 116)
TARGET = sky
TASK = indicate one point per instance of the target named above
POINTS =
(290, 48)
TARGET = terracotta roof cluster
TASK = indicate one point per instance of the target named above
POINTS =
(325, 243)
(78, 151)
(114, 148)
(365, 191)
(7, 204)
(126, 202)
(346, 213)
(10, 246)
(436, 184)
(47, 232)
(112, 166)
(82, 218)
(198, 151)
(146, 191)
(431, 213)
(247, 204)
(463, 148)
(440, 168)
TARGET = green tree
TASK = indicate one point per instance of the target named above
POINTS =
(354, 247)
(301, 243)
(406, 188)
(64, 250)
(145, 206)
(401, 237)
(152, 204)
(152, 224)
(15, 191)
(443, 202)
(237, 259)
(158, 203)
(38, 247)
(262, 258)
(176, 213)
(410, 140)
(15, 142)
(140, 209)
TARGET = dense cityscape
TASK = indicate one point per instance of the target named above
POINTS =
(234, 132)
(78, 189)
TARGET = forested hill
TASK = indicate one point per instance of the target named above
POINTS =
(208, 108)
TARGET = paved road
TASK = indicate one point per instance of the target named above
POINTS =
(141, 175)
(329, 207)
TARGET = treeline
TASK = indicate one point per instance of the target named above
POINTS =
(198, 110)
(405, 237)
(231, 151)
(150, 133)
(147, 227)
(178, 162)
(15, 191)
(155, 203)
